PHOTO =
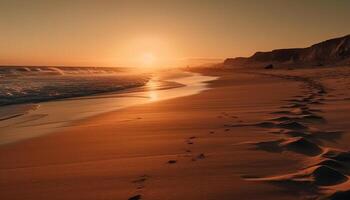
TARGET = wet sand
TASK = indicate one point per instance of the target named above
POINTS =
(25, 121)
(277, 134)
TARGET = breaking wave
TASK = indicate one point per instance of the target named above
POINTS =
(37, 84)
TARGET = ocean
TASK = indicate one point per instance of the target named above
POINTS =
(38, 84)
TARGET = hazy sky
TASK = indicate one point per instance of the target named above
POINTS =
(114, 33)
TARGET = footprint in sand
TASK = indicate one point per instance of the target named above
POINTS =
(140, 181)
(330, 163)
(136, 197)
(313, 177)
(190, 139)
(172, 161)
(291, 125)
(307, 118)
(295, 105)
(338, 155)
(315, 135)
(200, 156)
(296, 144)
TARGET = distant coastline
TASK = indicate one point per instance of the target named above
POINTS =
(330, 52)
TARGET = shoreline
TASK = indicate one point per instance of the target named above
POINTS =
(52, 116)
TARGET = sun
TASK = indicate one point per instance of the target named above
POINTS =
(148, 59)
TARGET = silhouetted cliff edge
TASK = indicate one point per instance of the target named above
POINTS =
(330, 52)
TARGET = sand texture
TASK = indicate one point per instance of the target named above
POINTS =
(269, 134)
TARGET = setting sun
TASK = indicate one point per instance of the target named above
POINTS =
(148, 59)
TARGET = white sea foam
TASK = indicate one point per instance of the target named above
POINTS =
(37, 84)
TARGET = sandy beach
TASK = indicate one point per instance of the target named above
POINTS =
(174, 100)
(254, 135)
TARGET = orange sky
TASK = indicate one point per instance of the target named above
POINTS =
(163, 32)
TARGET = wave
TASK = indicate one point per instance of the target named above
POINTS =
(37, 84)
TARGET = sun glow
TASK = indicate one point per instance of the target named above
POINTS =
(148, 59)
(148, 52)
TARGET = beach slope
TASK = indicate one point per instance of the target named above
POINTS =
(253, 135)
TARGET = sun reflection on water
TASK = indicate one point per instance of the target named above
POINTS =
(152, 89)
(153, 95)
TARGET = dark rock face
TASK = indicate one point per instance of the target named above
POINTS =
(333, 51)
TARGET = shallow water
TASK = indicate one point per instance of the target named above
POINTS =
(30, 121)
